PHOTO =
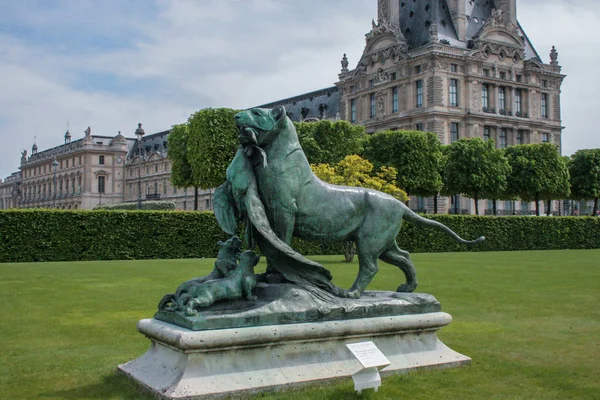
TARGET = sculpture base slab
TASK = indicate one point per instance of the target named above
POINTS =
(185, 364)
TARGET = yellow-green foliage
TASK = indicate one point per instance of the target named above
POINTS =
(354, 170)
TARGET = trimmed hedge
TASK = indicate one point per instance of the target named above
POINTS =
(58, 235)
(146, 205)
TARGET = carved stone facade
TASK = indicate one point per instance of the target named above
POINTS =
(94, 170)
(483, 78)
(454, 67)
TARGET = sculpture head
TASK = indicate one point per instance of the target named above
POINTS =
(230, 248)
(248, 259)
(258, 126)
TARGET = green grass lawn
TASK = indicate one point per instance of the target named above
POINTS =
(529, 320)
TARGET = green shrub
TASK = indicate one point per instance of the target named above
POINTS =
(146, 205)
(58, 235)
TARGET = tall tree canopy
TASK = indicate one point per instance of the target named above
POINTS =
(538, 173)
(213, 141)
(327, 142)
(416, 156)
(584, 169)
(476, 169)
(181, 170)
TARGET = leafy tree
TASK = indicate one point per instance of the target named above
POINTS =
(584, 169)
(476, 169)
(354, 170)
(538, 173)
(327, 142)
(212, 143)
(181, 170)
(416, 155)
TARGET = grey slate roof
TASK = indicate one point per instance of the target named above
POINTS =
(156, 142)
(324, 103)
(416, 18)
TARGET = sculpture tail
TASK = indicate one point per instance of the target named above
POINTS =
(409, 215)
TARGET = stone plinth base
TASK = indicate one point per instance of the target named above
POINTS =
(185, 364)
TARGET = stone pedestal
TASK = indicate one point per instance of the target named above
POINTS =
(186, 364)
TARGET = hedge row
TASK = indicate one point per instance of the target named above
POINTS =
(57, 235)
(146, 205)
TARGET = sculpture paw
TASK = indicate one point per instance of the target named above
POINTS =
(407, 288)
(353, 294)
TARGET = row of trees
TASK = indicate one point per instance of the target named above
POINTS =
(398, 162)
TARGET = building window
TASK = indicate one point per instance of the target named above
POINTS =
(79, 184)
(454, 92)
(544, 83)
(502, 99)
(130, 190)
(453, 67)
(417, 69)
(502, 139)
(486, 72)
(419, 87)
(67, 186)
(524, 206)
(44, 169)
(419, 127)
(67, 163)
(519, 78)
(395, 100)
(487, 134)
(502, 75)
(73, 186)
(353, 111)
(485, 96)
(545, 138)
(519, 101)
(544, 105)
(155, 168)
(174, 189)
(453, 132)
(165, 186)
(101, 160)
(371, 83)
(519, 137)
(373, 108)
(207, 204)
(101, 184)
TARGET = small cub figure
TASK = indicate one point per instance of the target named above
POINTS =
(225, 263)
(239, 283)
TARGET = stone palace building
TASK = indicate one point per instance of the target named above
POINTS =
(458, 68)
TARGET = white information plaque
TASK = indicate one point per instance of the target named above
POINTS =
(371, 359)
(368, 354)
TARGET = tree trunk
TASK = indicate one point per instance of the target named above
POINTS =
(549, 208)
(349, 251)
(595, 207)
(195, 198)
(537, 205)
(476, 205)
(495, 207)
(435, 203)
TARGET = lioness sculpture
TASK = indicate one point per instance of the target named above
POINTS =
(297, 203)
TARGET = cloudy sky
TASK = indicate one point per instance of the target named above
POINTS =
(113, 63)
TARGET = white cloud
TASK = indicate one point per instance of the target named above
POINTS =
(114, 63)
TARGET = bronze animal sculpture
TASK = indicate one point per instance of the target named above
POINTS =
(239, 283)
(297, 203)
(226, 262)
